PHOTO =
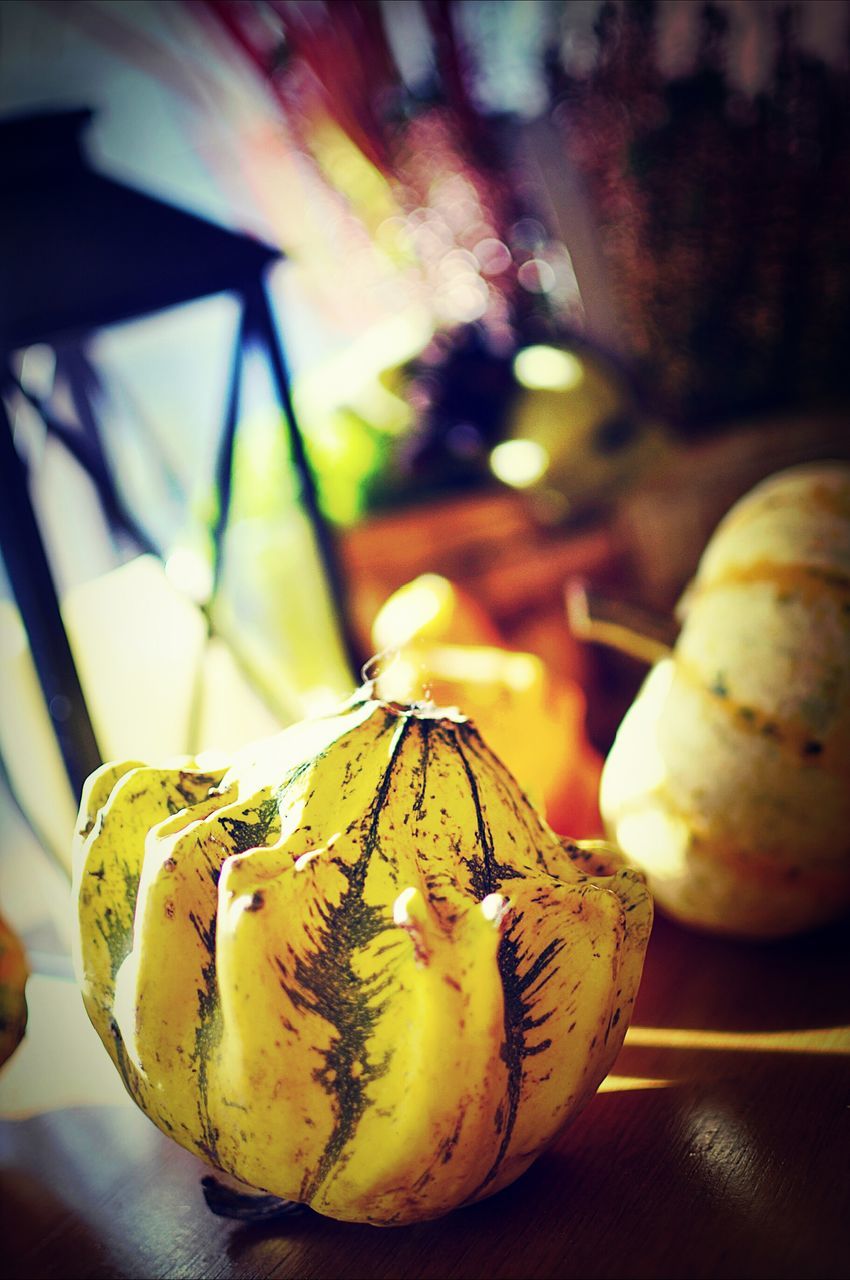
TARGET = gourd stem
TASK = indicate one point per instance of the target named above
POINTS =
(246, 1206)
(630, 629)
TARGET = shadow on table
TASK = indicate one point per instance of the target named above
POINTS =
(788, 985)
(33, 1216)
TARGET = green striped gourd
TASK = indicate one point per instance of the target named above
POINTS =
(353, 967)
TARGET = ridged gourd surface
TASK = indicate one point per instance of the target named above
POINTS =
(353, 967)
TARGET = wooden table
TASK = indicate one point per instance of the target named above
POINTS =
(719, 1147)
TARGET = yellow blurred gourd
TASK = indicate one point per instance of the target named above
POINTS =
(14, 972)
(353, 966)
(729, 780)
(438, 643)
(431, 609)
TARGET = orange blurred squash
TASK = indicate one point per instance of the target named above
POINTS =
(13, 1003)
(437, 644)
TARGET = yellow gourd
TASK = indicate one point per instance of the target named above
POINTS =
(353, 967)
(729, 780)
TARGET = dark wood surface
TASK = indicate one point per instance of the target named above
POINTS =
(719, 1147)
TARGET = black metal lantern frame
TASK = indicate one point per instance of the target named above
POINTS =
(81, 252)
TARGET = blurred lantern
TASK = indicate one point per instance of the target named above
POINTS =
(575, 435)
(81, 252)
